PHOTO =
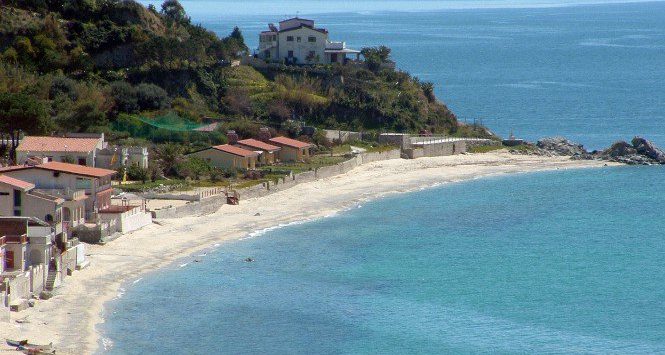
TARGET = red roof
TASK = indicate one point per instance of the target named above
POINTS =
(258, 145)
(76, 169)
(4, 169)
(57, 144)
(235, 150)
(290, 142)
(16, 183)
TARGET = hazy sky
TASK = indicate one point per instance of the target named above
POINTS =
(206, 8)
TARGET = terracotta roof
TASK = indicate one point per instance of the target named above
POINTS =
(4, 169)
(75, 169)
(57, 144)
(16, 183)
(290, 142)
(235, 150)
(259, 145)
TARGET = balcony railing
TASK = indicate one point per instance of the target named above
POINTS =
(67, 194)
(16, 239)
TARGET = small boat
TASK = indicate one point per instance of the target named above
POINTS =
(16, 343)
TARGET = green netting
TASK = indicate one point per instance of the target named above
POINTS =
(172, 122)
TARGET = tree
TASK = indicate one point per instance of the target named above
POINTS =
(168, 156)
(173, 11)
(237, 35)
(21, 113)
(375, 56)
(428, 90)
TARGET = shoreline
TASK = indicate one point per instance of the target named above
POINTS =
(71, 317)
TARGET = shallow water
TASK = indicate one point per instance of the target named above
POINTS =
(554, 262)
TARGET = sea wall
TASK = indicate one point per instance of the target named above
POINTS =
(212, 204)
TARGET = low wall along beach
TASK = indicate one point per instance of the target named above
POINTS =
(211, 204)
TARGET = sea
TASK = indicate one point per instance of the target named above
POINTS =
(559, 262)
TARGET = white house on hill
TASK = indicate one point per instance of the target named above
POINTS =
(298, 41)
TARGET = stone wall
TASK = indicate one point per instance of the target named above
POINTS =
(210, 205)
(481, 143)
(414, 153)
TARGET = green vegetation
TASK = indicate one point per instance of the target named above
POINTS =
(149, 76)
(485, 148)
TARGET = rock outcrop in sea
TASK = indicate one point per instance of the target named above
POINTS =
(639, 151)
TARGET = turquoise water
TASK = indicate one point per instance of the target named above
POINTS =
(555, 262)
(592, 73)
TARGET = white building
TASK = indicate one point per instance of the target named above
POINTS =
(298, 41)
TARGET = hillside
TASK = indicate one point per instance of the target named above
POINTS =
(112, 66)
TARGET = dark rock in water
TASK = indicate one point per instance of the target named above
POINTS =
(641, 152)
(562, 146)
(620, 149)
(249, 260)
(648, 149)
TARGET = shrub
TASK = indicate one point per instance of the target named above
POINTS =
(137, 173)
(124, 97)
(151, 97)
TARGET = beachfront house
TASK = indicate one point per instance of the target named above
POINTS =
(292, 149)
(32, 260)
(87, 149)
(267, 152)
(299, 41)
(227, 156)
(75, 150)
(86, 190)
(21, 198)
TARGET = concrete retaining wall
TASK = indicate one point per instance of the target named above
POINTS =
(19, 287)
(443, 149)
(4, 307)
(37, 278)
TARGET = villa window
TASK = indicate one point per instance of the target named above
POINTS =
(311, 39)
(289, 38)
(290, 54)
(17, 198)
(299, 39)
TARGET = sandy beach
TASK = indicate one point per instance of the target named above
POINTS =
(70, 318)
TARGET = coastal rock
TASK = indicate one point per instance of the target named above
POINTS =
(640, 152)
(648, 149)
(562, 146)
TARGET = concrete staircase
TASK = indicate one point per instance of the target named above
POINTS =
(50, 280)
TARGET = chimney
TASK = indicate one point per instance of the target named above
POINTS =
(232, 137)
(264, 134)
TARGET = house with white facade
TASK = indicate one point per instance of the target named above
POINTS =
(299, 41)
(88, 149)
